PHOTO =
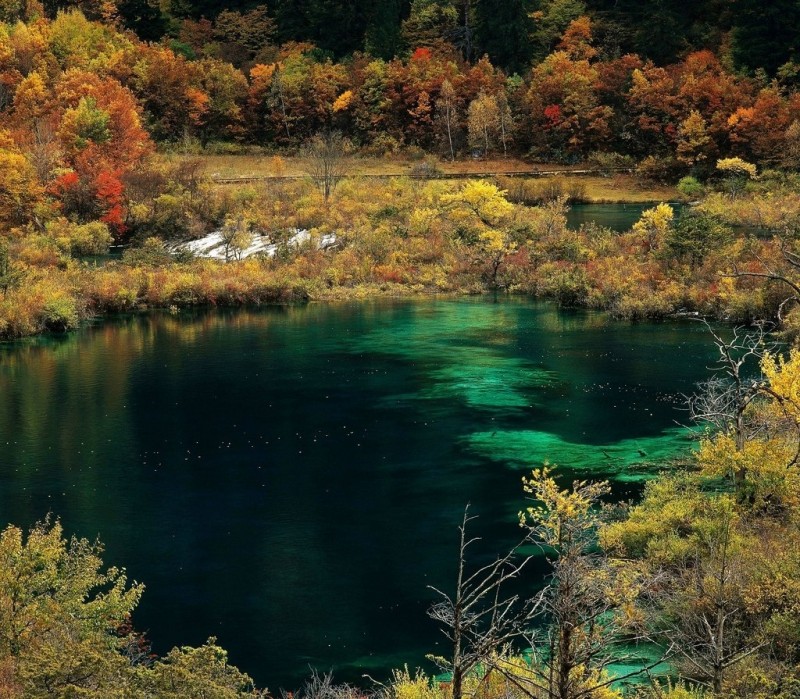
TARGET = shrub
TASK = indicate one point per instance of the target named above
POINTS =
(691, 187)
(383, 145)
(656, 169)
(59, 314)
(609, 162)
(152, 253)
(426, 169)
(404, 685)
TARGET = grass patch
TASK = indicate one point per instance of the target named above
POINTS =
(621, 187)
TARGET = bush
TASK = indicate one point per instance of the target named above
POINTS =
(565, 283)
(59, 314)
(656, 169)
(533, 192)
(225, 148)
(152, 253)
(427, 169)
(383, 145)
(166, 218)
(691, 187)
(609, 162)
(404, 685)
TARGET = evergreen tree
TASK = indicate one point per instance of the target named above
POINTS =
(429, 22)
(145, 18)
(765, 33)
(549, 22)
(382, 37)
(291, 20)
(338, 26)
(503, 30)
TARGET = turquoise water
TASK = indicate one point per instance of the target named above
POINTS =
(617, 217)
(289, 480)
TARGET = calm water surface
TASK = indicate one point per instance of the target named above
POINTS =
(289, 480)
(617, 217)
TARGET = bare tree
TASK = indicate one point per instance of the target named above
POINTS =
(478, 619)
(327, 161)
(723, 400)
(446, 104)
(505, 121)
(322, 686)
(787, 274)
(45, 151)
(463, 34)
(278, 97)
(730, 400)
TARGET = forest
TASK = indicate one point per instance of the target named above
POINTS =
(110, 113)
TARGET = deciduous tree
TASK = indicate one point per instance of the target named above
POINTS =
(326, 161)
(479, 619)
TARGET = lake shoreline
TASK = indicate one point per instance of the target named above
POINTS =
(340, 295)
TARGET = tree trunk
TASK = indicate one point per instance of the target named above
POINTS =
(450, 135)
(457, 683)
(564, 663)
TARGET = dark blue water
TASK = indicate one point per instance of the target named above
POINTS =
(289, 480)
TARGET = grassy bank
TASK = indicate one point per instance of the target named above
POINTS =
(393, 237)
(597, 188)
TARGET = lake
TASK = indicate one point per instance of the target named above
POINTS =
(289, 480)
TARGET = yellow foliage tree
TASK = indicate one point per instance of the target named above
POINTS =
(654, 225)
(481, 212)
(589, 602)
(19, 187)
(764, 466)
(693, 139)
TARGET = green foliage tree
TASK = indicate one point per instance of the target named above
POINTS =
(694, 235)
(10, 273)
(196, 672)
(59, 614)
(65, 630)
